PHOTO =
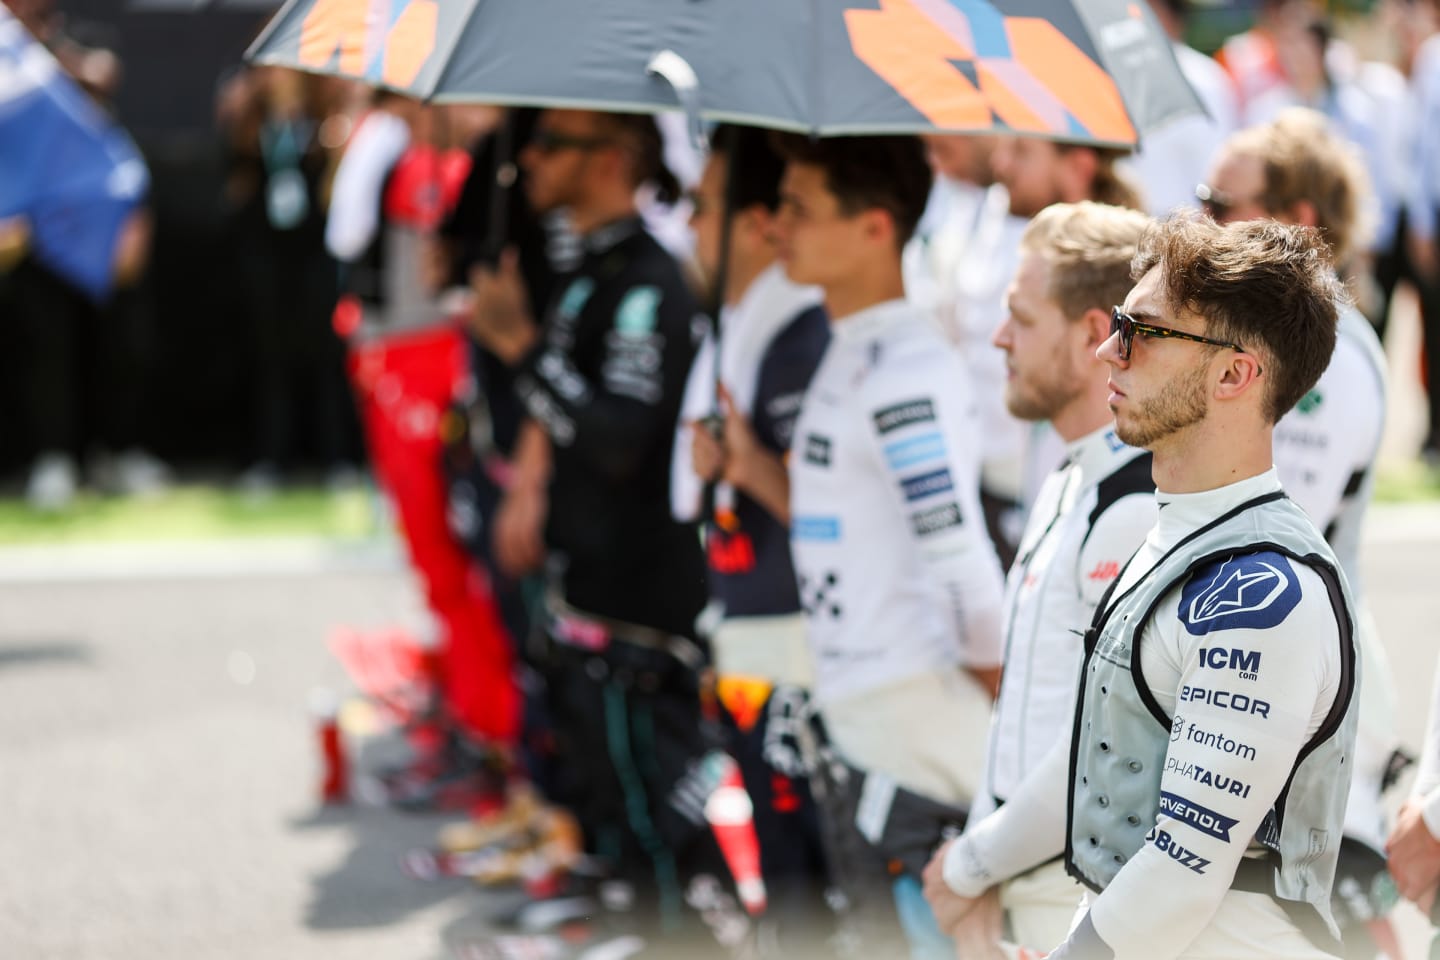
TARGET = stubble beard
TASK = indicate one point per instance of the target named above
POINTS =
(1181, 405)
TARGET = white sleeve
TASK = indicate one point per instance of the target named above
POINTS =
(925, 427)
(1332, 433)
(355, 196)
(1027, 831)
(698, 401)
(1213, 801)
(1427, 781)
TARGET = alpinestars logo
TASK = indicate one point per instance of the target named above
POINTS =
(1255, 592)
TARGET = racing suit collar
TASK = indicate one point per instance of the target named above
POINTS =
(873, 321)
(1182, 513)
(608, 236)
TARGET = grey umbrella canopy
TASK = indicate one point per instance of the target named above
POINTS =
(1087, 71)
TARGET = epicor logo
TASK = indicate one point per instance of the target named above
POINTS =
(1226, 700)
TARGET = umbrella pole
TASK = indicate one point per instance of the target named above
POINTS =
(501, 180)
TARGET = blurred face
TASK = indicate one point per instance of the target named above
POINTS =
(559, 159)
(707, 217)
(1236, 189)
(962, 157)
(817, 242)
(1163, 388)
(1031, 171)
(1045, 369)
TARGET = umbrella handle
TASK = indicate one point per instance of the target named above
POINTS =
(674, 70)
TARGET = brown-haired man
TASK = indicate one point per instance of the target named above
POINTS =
(1212, 744)
(1296, 169)
(899, 582)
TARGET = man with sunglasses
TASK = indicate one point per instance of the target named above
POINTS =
(1090, 515)
(1296, 169)
(602, 381)
(1202, 794)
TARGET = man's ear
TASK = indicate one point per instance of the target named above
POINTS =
(1241, 373)
(879, 226)
(1096, 324)
(1303, 212)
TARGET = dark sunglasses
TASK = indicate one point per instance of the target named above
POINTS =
(549, 141)
(1127, 326)
(1216, 205)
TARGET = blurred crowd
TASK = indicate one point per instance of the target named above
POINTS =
(731, 468)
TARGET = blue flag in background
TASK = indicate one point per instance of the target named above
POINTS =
(65, 167)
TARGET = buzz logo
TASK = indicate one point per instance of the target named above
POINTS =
(1167, 845)
(1246, 663)
(1255, 592)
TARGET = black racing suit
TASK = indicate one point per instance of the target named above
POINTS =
(627, 581)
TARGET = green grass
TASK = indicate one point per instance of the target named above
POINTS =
(1407, 482)
(195, 513)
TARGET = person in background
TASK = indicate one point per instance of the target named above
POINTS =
(601, 376)
(736, 426)
(1091, 516)
(1037, 173)
(898, 580)
(963, 255)
(1174, 158)
(1413, 847)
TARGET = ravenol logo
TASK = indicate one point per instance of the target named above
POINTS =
(1192, 814)
(1255, 591)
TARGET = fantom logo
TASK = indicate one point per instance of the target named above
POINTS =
(385, 42)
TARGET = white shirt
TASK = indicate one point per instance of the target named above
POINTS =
(896, 574)
(1154, 907)
(747, 329)
(1172, 160)
(1427, 780)
(1067, 558)
(354, 218)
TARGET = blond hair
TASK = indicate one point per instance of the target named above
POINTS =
(1089, 247)
(1305, 161)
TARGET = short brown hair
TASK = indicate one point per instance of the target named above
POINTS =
(1089, 247)
(1258, 283)
(890, 173)
(1305, 160)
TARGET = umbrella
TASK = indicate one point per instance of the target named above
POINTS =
(68, 171)
(1089, 71)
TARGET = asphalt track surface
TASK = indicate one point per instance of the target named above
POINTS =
(158, 767)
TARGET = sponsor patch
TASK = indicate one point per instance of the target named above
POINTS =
(815, 528)
(1206, 778)
(1253, 592)
(817, 450)
(576, 296)
(927, 484)
(1246, 663)
(919, 410)
(638, 313)
(908, 453)
(936, 519)
(1167, 844)
(1226, 700)
(1310, 402)
(1198, 817)
(1214, 741)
